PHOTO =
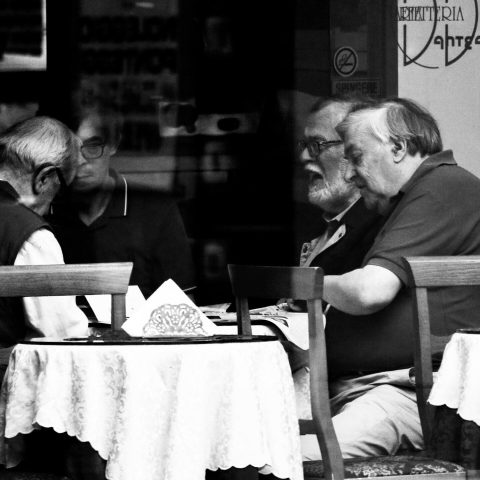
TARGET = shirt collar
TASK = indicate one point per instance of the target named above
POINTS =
(339, 216)
(357, 215)
(118, 206)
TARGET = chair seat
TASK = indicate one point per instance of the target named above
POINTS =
(386, 466)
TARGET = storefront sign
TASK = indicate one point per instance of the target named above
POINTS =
(438, 65)
(437, 33)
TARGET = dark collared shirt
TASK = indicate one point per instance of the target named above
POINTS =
(139, 225)
(437, 213)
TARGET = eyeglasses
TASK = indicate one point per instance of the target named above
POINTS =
(316, 147)
(91, 152)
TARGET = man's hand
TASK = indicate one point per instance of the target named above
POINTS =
(290, 305)
(362, 291)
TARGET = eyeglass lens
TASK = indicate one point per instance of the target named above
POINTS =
(315, 147)
(92, 151)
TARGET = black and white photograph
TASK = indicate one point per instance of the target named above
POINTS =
(239, 239)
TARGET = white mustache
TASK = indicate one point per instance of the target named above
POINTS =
(313, 168)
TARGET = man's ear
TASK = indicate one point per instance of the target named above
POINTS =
(399, 150)
(114, 148)
(41, 180)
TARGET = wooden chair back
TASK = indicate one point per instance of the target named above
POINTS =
(425, 273)
(299, 283)
(73, 279)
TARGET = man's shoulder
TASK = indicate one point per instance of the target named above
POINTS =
(17, 215)
(446, 176)
(449, 185)
(17, 224)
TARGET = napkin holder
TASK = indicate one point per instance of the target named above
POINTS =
(169, 312)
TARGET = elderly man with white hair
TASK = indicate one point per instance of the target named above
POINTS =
(37, 158)
(430, 205)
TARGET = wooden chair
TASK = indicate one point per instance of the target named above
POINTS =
(306, 283)
(299, 283)
(58, 280)
(425, 273)
(72, 279)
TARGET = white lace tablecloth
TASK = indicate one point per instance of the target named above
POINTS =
(158, 411)
(458, 382)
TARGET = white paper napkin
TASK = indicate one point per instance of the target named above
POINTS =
(169, 312)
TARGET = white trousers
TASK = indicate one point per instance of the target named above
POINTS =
(372, 415)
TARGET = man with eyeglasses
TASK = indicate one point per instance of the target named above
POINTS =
(350, 227)
(37, 158)
(107, 218)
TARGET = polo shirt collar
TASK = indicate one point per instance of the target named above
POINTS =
(118, 205)
(339, 216)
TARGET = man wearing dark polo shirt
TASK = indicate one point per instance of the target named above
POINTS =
(106, 218)
(431, 208)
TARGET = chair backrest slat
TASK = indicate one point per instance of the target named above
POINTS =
(445, 271)
(255, 281)
(299, 283)
(72, 279)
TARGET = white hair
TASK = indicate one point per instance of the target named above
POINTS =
(372, 119)
(37, 141)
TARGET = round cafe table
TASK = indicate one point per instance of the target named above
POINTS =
(158, 409)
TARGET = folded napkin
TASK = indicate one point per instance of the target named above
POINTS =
(169, 312)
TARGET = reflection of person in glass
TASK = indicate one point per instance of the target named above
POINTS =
(106, 218)
(12, 112)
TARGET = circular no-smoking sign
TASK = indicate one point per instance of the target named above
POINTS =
(345, 61)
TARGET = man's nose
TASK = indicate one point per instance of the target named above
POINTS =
(304, 155)
(350, 173)
(81, 160)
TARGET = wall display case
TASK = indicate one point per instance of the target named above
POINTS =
(23, 36)
(23, 50)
